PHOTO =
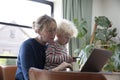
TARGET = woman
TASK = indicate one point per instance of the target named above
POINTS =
(32, 51)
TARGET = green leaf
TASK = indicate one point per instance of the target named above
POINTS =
(103, 21)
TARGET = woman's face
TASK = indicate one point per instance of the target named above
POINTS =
(48, 33)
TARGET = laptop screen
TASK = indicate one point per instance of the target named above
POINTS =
(97, 59)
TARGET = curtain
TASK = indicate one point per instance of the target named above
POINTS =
(78, 9)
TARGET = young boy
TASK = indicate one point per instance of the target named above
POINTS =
(56, 52)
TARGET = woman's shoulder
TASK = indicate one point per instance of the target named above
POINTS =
(29, 43)
(32, 42)
(29, 40)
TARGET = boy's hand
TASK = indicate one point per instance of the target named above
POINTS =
(74, 59)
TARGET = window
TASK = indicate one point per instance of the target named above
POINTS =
(16, 17)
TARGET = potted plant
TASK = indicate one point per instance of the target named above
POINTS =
(105, 35)
(85, 49)
(102, 37)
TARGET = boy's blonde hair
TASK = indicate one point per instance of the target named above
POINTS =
(66, 26)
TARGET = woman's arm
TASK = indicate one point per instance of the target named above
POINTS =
(26, 59)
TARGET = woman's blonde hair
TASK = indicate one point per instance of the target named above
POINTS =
(42, 21)
(66, 26)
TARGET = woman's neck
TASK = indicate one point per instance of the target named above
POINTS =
(39, 40)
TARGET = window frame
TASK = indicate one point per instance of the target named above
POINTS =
(24, 26)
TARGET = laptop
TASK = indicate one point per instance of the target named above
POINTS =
(97, 59)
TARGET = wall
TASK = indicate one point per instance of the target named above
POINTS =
(108, 8)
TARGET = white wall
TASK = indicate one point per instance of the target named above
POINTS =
(108, 8)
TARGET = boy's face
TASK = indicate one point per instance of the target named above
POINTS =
(63, 39)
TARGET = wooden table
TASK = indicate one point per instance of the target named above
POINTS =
(37, 74)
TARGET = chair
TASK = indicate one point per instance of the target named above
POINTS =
(1, 75)
(37, 74)
(9, 72)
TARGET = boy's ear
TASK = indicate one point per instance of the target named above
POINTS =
(59, 35)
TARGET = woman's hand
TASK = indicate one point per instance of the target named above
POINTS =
(63, 66)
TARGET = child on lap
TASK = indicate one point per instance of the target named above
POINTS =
(56, 52)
